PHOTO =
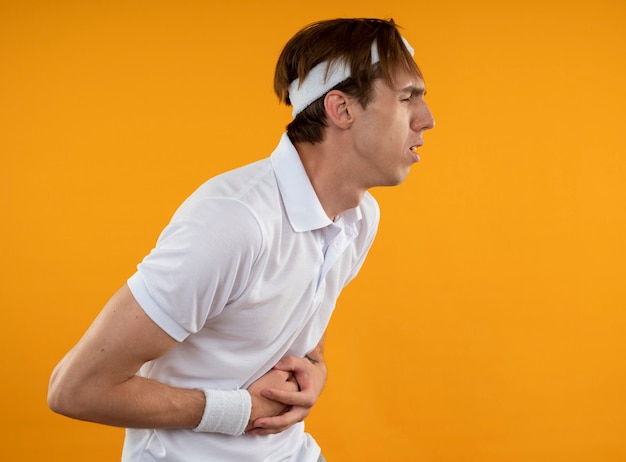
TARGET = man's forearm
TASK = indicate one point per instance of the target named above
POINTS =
(134, 403)
(145, 403)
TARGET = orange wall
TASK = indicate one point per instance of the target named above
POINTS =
(488, 323)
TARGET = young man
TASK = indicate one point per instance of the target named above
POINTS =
(213, 348)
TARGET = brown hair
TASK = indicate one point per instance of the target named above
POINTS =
(349, 40)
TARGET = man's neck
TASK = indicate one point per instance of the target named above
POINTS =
(329, 177)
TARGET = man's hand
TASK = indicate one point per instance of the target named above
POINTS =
(262, 406)
(310, 378)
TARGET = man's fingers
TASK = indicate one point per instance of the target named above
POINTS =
(303, 374)
(265, 431)
(287, 363)
(298, 398)
(282, 422)
(293, 364)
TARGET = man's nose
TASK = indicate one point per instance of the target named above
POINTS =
(424, 120)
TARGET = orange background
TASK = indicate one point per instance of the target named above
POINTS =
(488, 323)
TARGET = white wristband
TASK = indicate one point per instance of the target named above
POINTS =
(225, 411)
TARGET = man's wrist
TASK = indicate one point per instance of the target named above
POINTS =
(225, 411)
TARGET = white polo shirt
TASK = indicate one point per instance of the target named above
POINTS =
(248, 271)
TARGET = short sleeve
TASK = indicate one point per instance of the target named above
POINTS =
(202, 260)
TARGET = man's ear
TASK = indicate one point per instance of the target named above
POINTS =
(338, 108)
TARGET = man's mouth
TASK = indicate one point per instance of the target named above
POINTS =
(413, 149)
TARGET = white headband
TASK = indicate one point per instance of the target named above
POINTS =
(318, 82)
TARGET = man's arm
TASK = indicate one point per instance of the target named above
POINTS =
(97, 381)
(310, 373)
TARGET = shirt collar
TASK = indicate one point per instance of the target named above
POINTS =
(304, 211)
